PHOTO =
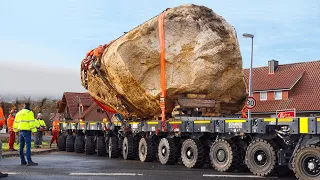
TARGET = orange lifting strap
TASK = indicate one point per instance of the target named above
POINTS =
(162, 69)
(243, 112)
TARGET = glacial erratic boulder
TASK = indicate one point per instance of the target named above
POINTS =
(203, 61)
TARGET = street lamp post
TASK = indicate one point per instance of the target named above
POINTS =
(246, 35)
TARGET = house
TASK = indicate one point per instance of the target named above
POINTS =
(54, 116)
(75, 106)
(289, 87)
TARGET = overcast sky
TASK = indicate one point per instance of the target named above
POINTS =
(45, 41)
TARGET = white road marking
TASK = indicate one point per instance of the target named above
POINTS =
(10, 173)
(234, 176)
(105, 174)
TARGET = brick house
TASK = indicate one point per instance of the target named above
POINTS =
(286, 87)
(70, 109)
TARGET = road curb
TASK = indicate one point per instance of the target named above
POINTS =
(6, 154)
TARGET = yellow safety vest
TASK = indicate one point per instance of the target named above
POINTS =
(42, 123)
(37, 123)
(25, 121)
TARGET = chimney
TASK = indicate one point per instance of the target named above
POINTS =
(272, 65)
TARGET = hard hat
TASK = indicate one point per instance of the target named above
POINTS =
(39, 115)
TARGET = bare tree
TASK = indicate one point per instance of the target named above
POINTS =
(17, 103)
(43, 101)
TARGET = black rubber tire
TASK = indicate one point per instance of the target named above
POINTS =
(113, 147)
(129, 148)
(168, 151)
(62, 142)
(70, 143)
(268, 152)
(90, 145)
(284, 171)
(311, 154)
(241, 154)
(79, 144)
(101, 146)
(146, 150)
(196, 158)
(230, 155)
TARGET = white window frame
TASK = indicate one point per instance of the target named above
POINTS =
(266, 95)
(275, 97)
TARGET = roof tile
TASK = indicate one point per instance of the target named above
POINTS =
(70, 98)
(304, 96)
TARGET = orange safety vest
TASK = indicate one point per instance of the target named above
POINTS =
(10, 122)
(55, 126)
(2, 118)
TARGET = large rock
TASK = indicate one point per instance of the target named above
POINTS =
(203, 61)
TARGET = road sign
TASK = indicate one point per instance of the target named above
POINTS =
(251, 102)
(286, 114)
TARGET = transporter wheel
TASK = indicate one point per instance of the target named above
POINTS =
(129, 148)
(113, 147)
(225, 155)
(70, 143)
(192, 153)
(62, 142)
(306, 163)
(168, 151)
(261, 157)
(90, 145)
(146, 150)
(101, 146)
(79, 144)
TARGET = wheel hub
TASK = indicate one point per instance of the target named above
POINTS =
(164, 151)
(143, 151)
(311, 166)
(125, 148)
(221, 155)
(189, 153)
(260, 157)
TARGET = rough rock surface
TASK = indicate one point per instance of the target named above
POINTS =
(203, 61)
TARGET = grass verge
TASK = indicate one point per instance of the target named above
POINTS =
(5, 145)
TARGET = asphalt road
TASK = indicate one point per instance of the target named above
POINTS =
(64, 165)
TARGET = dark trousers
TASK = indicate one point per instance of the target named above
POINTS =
(12, 137)
(25, 139)
(38, 138)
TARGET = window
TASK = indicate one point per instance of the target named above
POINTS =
(278, 95)
(263, 96)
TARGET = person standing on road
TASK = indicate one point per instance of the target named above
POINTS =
(55, 132)
(12, 135)
(40, 131)
(25, 124)
(2, 122)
